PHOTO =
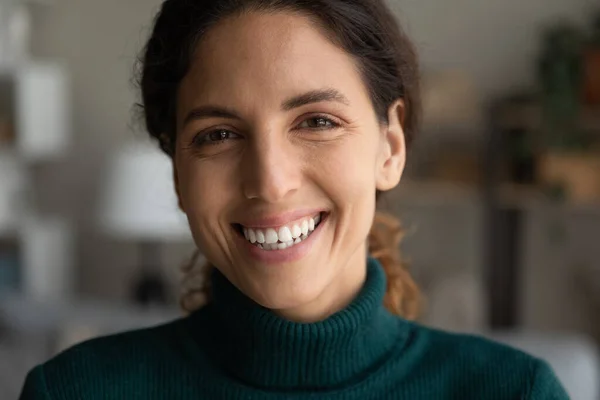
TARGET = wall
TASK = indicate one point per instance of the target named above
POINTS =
(496, 41)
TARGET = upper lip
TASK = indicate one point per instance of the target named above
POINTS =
(277, 219)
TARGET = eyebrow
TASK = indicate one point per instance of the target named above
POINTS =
(313, 96)
(204, 112)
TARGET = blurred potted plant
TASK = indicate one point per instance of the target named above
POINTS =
(560, 75)
(568, 161)
(591, 86)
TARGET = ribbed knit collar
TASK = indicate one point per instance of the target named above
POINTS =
(259, 348)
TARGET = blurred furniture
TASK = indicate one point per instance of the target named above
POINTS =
(32, 331)
(574, 358)
(592, 65)
(576, 173)
(456, 302)
(35, 119)
(525, 171)
(139, 204)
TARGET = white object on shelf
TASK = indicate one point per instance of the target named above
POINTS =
(15, 29)
(139, 196)
(47, 251)
(43, 118)
(12, 187)
(19, 33)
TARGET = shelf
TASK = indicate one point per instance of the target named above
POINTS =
(529, 197)
(530, 116)
(590, 119)
(431, 193)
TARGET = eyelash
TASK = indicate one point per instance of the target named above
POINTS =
(201, 138)
(334, 124)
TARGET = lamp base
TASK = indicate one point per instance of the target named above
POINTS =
(149, 287)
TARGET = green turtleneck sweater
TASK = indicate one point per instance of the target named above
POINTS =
(236, 349)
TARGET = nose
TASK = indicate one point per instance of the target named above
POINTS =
(271, 169)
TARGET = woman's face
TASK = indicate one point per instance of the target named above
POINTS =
(279, 154)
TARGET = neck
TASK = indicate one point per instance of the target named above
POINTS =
(335, 297)
(261, 348)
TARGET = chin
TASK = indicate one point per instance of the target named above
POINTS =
(293, 294)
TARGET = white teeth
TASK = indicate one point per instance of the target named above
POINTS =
(251, 235)
(271, 239)
(271, 236)
(285, 235)
(304, 227)
(296, 231)
(260, 236)
(280, 245)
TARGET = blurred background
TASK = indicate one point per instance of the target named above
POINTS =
(500, 201)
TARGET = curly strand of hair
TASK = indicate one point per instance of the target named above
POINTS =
(195, 284)
(402, 294)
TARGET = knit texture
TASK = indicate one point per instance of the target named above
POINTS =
(235, 349)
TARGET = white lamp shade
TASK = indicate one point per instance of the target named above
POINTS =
(139, 200)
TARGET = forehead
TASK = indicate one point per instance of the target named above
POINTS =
(263, 57)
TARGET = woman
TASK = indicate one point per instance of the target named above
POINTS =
(284, 120)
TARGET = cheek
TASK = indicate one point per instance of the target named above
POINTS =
(346, 175)
(206, 190)
(346, 170)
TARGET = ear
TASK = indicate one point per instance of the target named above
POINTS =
(176, 184)
(392, 156)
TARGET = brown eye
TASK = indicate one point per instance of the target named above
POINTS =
(318, 123)
(215, 137)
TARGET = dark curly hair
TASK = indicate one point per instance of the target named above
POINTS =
(365, 29)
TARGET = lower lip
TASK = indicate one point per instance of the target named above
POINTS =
(290, 254)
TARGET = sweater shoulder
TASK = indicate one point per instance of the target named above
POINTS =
(472, 365)
(475, 348)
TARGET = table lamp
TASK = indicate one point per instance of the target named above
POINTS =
(139, 204)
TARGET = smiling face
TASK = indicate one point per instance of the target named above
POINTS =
(278, 157)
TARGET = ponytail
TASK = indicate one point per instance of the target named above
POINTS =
(402, 295)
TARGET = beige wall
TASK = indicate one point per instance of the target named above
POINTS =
(495, 40)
